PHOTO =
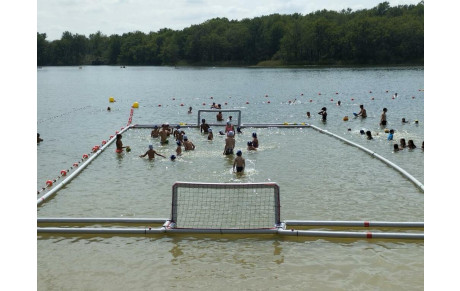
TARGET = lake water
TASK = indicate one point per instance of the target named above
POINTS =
(320, 177)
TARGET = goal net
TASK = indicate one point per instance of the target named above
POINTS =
(210, 115)
(225, 205)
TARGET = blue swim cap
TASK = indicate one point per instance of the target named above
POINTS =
(150, 146)
(239, 153)
(254, 134)
(185, 137)
(173, 157)
(155, 126)
(249, 143)
(178, 142)
(209, 130)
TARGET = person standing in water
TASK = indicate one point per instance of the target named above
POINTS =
(239, 162)
(229, 143)
(323, 113)
(362, 111)
(204, 126)
(151, 153)
(383, 117)
(119, 144)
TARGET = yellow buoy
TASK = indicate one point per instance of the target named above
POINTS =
(111, 99)
(285, 123)
(345, 118)
(386, 130)
(135, 105)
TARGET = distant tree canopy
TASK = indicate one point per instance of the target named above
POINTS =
(377, 36)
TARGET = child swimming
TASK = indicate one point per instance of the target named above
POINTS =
(362, 111)
(210, 135)
(188, 145)
(255, 141)
(229, 144)
(369, 134)
(390, 135)
(250, 146)
(410, 144)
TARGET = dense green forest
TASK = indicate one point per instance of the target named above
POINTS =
(382, 35)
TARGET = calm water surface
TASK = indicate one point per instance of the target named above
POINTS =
(320, 178)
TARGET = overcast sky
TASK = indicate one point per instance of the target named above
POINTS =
(122, 16)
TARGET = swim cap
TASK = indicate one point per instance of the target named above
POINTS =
(324, 108)
(249, 143)
(150, 146)
(231, 133)
(178, 142)
(177, 126)
(203, 120)
(361, 131)
(185, 137)
(254, 134)
(173, 157)
(209, 130)
(221, 132)
(239, 153)
(155, 126)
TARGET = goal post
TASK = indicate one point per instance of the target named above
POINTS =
(201, 111)
(237, 206)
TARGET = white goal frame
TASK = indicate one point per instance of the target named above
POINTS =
(242, 191)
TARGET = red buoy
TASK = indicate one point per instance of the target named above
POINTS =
(49, 183)
(85, 156)
(63, 172)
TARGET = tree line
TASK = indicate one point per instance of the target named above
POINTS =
(378, 36)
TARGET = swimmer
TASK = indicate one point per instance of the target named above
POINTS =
(410, 144)
(255, 141)
(213, 106)
(176, 132)
(383, 117)
(210, 135)
(204, 126)
(108, 108)
(219, 116)
(181, 135)
(250, 146)
(179, 148)
(119, 144)
(416, 121)
(188, 145)
(229, 127)
(173, 157)
(238, 130)
(423, 145)
(155, 132)
(219, 106)
(323, 113)
(239, 162)
(362, 111)
(189, 110)
(395, 148)
(395, 95)
(368, 134)
(308, 114)
(221, 132)
(338, 103)
(151, 153)
(164, 134)
(38, 138)
(229, 144)
(229, 118)
(390, 135)
(362, 131)
(402, 143)
(403, 120)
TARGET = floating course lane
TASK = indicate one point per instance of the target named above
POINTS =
(89, 158)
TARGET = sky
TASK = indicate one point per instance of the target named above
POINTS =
(86, 17)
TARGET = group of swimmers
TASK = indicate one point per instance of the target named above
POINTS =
(362, 113)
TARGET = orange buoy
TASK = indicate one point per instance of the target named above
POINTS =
(268, 101)
(159, 105)
(311, 100)
(49, 183)
(211, 97)
(319, 93)
(85, 156)
(63, 172)
(352, 99)
(117, 132)
(104, 142)
(182, 104)
(332, 99)
(204, 103)
(111, 137)
(225, 103)
(372, 98)
(247, 102)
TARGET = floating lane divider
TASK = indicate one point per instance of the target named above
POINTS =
(88, 159)
(389, 163)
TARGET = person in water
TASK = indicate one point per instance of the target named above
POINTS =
(383, 117)
(308, 114)
(188, 145)
(403, 120)
(323, 114)
(239, 162)
(151, 153)
(189, 110)
(164, 134)
(410, 144)
(119, 144)
(176, 132)
(210, 135)
(155, 132)
(219, 116)
(251, 147)
(402, 143)
(255, 141)
(390, 135)
(362, 111)
(38, 138)
(204, 126)
(229, 127)
(229, 143)
(179, 148)
(369, 134)
(395, 147)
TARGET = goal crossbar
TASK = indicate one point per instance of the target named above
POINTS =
(225, 206)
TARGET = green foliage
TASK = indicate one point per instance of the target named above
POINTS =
(381, 35)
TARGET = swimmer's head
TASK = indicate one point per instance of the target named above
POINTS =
(231, 133)
(178, 143)
(392, 131)
(249, 143)
(221, 132)
(361, 131)
(203, 120)
(416, 121)
(385, 110)
(324, 108)
(173, 157)
(118, 136)
(349, 129)
(177, 126)
(254, 135)
(150, 146)
(155, 127)
(239, 153)
(361, 106)
(209, 130)
(185, 137)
